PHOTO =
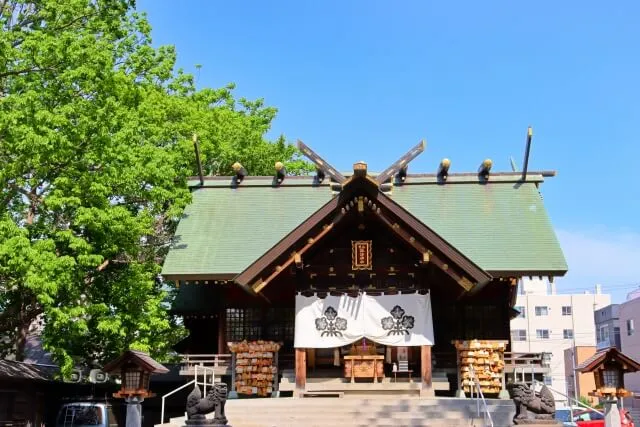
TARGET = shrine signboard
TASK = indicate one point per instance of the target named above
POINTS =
(361, 255)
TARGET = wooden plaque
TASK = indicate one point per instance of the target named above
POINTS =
(361, 255)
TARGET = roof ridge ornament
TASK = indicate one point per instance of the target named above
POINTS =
(527, 151)
(321, 163)
(401, 163)
(360, 168)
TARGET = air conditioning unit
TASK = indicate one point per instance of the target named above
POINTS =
(98, 376)
(76, 376)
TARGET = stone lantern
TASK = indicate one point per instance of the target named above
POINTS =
(135, 369)
(608, 367)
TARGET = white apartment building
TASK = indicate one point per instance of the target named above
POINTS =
(551, 322)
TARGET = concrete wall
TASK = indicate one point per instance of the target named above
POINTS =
(580, 321)
(630, 339)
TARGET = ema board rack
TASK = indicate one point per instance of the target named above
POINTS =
(254, 367)
(485, 359)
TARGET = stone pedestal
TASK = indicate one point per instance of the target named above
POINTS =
(204, 423)
(611, 413)
(134, 411)
(541, 423)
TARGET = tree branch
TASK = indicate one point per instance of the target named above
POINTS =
(25, 71)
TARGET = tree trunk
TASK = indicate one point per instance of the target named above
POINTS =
(22, 332)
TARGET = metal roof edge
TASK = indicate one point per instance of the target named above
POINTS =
(415, 179)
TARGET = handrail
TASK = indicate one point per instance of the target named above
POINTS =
(216, 360)
(476, 382)
(584, 405)
(512, 360)
(193, 381)
(169, 394)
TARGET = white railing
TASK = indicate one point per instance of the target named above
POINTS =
(488, 421)
(571, 399)
(210, 360)
(206, 371)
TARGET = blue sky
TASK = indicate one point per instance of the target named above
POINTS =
(366, 80)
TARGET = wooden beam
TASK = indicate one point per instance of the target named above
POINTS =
(425, 371)
(251, 273)
(402, 162)
(297, 259)
(258, 286)
(197, 150)
(321, 163)
(222, 331)
(527, 150)
(476, 273)
(404, 235)
(301, 370)
(427, 255)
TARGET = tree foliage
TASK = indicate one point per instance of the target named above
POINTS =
(95, 151)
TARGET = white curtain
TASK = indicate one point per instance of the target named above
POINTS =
(335, 321)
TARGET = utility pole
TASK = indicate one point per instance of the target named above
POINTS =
(573, 360)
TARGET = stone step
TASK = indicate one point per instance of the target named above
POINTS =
(372, 401)
(322, 421)
(372, 412)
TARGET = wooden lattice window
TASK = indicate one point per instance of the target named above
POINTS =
(244, 324)
(280, 324)
(273, 324)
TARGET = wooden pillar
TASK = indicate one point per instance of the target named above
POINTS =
(301, 370)
(425, 371)
(222, 331)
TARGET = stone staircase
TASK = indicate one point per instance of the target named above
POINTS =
(370, 412)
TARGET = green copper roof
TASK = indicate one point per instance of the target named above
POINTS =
(501, 225)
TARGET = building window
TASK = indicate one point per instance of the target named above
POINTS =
(603, 334)
(630, 327)
(276, 324)
(542, 310)
(542, 334)
(519, 335)
(567, 334)
(243, 324)
(566, 310)
(520, 310)
(548, 380)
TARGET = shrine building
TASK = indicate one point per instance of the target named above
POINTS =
(361, 277)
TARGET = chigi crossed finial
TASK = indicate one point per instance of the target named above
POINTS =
(397, 168)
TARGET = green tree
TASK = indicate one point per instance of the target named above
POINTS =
(95, 151)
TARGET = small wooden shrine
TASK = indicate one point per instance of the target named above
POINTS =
(608, 367)
(135, 369)
(249, 250)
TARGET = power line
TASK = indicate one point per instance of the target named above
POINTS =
(620, 286)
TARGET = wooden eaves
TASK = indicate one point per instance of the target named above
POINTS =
(462, 270)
